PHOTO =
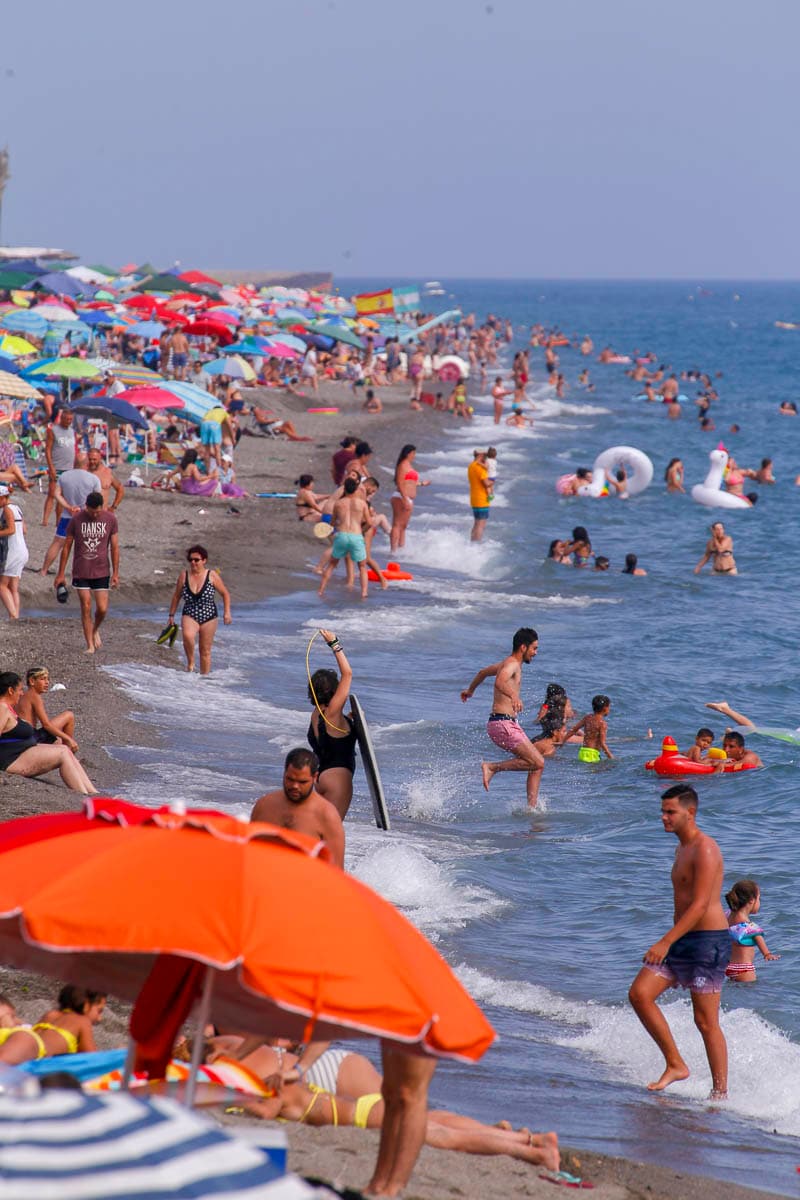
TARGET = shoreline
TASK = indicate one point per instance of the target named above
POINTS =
(268, 556)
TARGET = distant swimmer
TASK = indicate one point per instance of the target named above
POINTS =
(674, 476)
(499, 394)
(595, 731)
(695, 952)
(503, 725)
(720, 548)
(587, 346)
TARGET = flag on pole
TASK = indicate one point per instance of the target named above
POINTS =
(406, 299)
(370, 303)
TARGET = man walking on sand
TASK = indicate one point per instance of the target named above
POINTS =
(93, 533)
(503, 726)
(695, 952)
(298, 805)
(350, 517)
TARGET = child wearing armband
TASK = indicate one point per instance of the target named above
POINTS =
(744, 900)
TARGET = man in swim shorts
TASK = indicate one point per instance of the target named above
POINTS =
(503, 725)
(479, 493)
(695, 951)
(351, 516)
(298, 805)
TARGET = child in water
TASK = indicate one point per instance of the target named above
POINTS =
(699, 751)
(744, 900)
(595, 729)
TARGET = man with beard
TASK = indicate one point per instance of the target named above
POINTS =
(298, 805)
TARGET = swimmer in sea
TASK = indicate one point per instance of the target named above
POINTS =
(595, 731)
(788, 408)
(631, 566)
(558, 552)
(764, 472)
(720, 548)
(499, 394)
(722, 706)
(580, 547)
(674, 476)
(738, 756)
(503, 725)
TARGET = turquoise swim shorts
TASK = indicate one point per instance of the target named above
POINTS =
(349, 545)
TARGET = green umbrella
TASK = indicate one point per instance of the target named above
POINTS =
(67, 368)
(111, 272)
(103, 295)
(340, 332)
(162, 283)
(14, 279)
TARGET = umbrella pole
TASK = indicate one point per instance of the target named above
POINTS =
(199, 1036)
(127, 1070)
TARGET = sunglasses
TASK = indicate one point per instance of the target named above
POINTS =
(195, 560)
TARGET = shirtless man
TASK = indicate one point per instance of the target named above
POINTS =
(737, 754)
(298, 805)
(503, 725)
(350, 513)
(695, 951)
(180, 353)
(498, 395)
(108, 479)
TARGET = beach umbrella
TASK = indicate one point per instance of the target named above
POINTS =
(234, 367)
(288, 339)
(97, 317)
(111, 409)
(146, 303)
(291, 316)
(16, 347)
(66, 368)
(228, 316)
(196, 402)
(206, 328)
(55, 312)
(279, 350)
(198, 277)
(150, 397)
(339, 333)
(131, 374)
(161, 283)
(24, 321)
(69, 1144)
(283, 941)
(9, 365)
(62, 284)
(17, 388)
(147, 329)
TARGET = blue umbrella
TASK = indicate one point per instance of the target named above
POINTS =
(287, 339)
(224, 366)
(290, 315)
(62, 284)
(9, 364)
(148, 329)
(24, 322)
(111, 410)
(97, 317)
(196, 402)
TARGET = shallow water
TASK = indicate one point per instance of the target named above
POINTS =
(546, 917)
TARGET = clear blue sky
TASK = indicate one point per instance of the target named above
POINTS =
(573, 138)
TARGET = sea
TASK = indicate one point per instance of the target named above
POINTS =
(545, 916)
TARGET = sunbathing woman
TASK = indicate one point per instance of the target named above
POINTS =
(63, 1030)
(307, 502)
(21, 753)
(444, 1130)
(318, 1064)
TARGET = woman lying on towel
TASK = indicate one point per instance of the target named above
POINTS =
(63, 1030)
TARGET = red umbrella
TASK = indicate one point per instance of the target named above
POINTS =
(215, 329)
(186, 298)
(199, 277)
(148, 303)
(150, 397)
(227, 318)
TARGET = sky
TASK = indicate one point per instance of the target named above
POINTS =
(422, 138)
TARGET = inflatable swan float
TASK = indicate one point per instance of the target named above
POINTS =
(638, 466)
(711, 492)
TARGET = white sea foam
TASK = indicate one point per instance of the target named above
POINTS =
(429, 893)
(764, 1079)
(456, 553)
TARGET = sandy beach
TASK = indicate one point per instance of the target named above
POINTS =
(262, 551)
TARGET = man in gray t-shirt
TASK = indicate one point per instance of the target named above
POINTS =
(72, 489)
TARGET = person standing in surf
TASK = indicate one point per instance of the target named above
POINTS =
(330, 733)
(695, 952)
(503, 725)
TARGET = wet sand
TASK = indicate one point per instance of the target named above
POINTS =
(262, 550)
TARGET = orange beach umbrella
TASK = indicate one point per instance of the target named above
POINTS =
(291, 945)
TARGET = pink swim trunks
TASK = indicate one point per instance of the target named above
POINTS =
(505, 733)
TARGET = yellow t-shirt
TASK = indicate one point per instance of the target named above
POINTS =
(477, 475)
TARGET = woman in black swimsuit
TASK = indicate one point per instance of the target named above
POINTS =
(197, 587)
(22, 754)
(331, 735)
(307, 503)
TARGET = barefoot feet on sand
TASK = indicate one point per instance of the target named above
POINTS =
(671, 1075)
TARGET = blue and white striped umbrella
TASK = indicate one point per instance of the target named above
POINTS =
(66, 1145)
(24, 322)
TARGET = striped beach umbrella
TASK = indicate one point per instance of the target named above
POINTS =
(65, 1144)
(16, 388)
(24, 321)
(131, 374)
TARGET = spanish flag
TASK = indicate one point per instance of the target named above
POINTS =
(370, 303)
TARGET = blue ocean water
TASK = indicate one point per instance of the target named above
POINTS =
(546, 916)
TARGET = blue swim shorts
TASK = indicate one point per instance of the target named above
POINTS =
(697, 961)
(63, 525)
(211, 433)
(480, 514)
(349, 545)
